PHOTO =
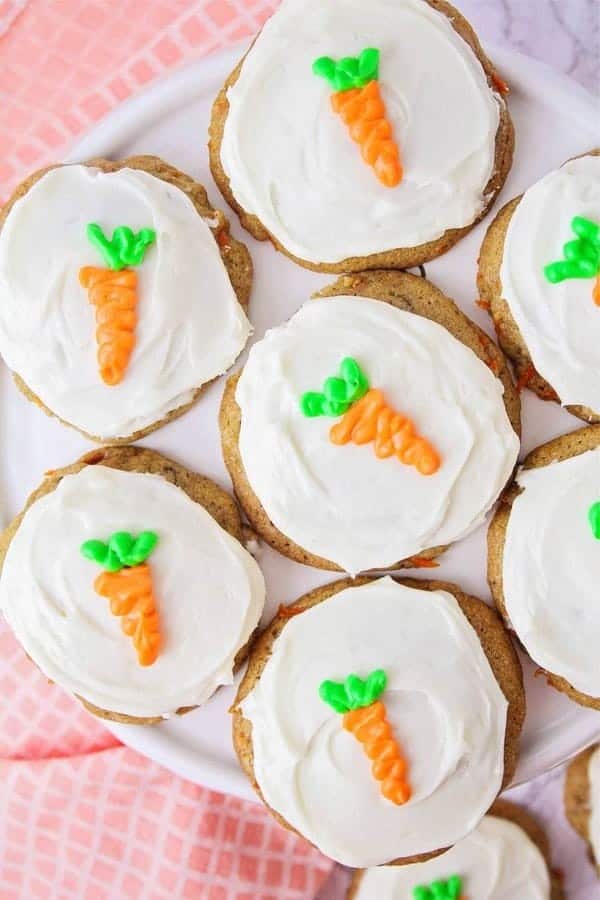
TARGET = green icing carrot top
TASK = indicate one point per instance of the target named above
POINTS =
(122, 550)
(125, 247)
(349, 72)
(339, 392)
(581, 256)
(440, 890)
(354, 692)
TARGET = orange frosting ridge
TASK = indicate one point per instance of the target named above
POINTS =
(132, 598)
(370, 726)
(371, 419)
(114, 295)
(363, 111)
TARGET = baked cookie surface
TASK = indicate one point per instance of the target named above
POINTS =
(550, 328)
(582, 799)
(507, 855)
(90, 623)
(544, 561)
(454, 702)
(346, 507)
(172, 316)
(286, 162)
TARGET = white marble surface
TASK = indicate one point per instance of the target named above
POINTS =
(565, 34)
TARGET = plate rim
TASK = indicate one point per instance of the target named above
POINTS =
(121, 126)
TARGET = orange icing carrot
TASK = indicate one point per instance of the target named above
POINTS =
(364, 715)
(371, 419)
(596, 291)
(363, 111)
(115, 298)
(370, 726)
(127, 583)
(358, 101)
(113, 293)
(132, 598)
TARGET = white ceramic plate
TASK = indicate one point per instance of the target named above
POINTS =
(553, 119)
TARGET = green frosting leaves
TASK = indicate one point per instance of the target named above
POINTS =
(354, 692)
(124, 248)
(581, 256)
(349, 72)
(339, 392)
(439, 890)
(122, 549)
(594, 519)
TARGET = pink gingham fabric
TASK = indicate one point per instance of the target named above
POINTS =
(82, 817)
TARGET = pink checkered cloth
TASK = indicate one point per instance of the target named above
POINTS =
(82, 817)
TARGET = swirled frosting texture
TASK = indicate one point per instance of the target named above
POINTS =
(443, 703)
(594, 803)
(497, 861)
(209, 590)
(560, 323)
(551, 569)
(292, 163)
(341, 502)
(190, 325)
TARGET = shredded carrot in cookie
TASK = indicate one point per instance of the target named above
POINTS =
(490, 361)
(526, 377)
(422, 562)
(371, 419)
(114, 295)
(483, 304)
(288, 612)
(500, 84)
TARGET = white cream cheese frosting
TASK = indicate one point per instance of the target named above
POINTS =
(291, 162)
(209, 590)
(560, 323)
(594, 803)
(497, 861)
(551, 569)
(341, 502)
(190, 325)
(445, 707)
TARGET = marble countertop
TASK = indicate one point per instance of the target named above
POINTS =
(565, 34)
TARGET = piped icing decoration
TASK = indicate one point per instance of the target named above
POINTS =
(594, 519)
(581, 256)
(449, 889)
(127, 584)
(393, 434)
(113, 291)
(365, 717)
(367, 417)
(358, 102)
(339, 392)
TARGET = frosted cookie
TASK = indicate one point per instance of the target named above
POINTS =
(332, 139)
(506, 856)
(126, 582)
(122, 294)
(582, 799)
(544, 561)
(375, 427)
(539, 271)
(380, 719)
